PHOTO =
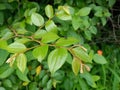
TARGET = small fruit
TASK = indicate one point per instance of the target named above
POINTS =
(100, 52)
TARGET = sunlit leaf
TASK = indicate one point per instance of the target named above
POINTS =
(56, 59)
(49, 11)
(81, 54)
(49, 37)
(21, 62)
(40, 52)
(3, 44)
(39, 33)
(76, 66)
(50, 26)
(66, 41)
(37, 19)
(84, 11)
(63, 13)
(16, 47)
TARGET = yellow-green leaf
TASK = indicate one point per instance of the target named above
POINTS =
(49, 37)
(40, 52)
(66, 41)
(16, 47)
(84, 11)
(39, 33)
(76, 66)
(49, 11)
(21, 62)
(81, 54)
(50, 26)
(37, 19)
(56, 59)
(63, 13)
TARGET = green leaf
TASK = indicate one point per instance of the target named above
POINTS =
(81, 54)
(88, 34)
(7, 83)
(69, 58)
(3, 44)
(37, 19)
(5, 71)
(88, 77)
(49, 37)
(63, 13)
(21, 62)
(103, 20)
(1, 18)
(40, 52)
(16, 47)
(2, 6)
(93, 30)
(39, 33)
(3, 56)
(7, 35)
(49, 11)
(99, 59)
(76, 66)
(22, 76)
(56, 59)
(50, 26)
(99, 14)
(95, 77)
(2, 88)
(22, 40)
(84, 11)
(111, 2)
(66, 41)
(76, 22)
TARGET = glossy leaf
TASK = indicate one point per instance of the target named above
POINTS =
(39, 33)
(66, 41)
(84, 11)
(21, 62)
(49, 37)
(40, 52)
(63, 13)
(81, 54)
(56, 59)
(76, 66)
(3, 56)
(99, 59)
(49, 11)
(50, 26)
(37, 19)
(16, 47)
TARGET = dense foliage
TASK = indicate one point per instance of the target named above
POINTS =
(54, 44)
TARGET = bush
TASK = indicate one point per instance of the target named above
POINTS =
(47, 45)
